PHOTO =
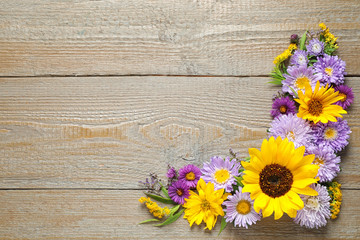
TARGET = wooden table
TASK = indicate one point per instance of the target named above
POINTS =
(94, 95)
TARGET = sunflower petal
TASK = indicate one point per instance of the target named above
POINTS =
(306, 191)
(278, 211)
(269, 209)
(295, 199)
(261, 202)
(302, 183)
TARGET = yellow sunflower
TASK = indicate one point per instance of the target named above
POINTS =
(276, 175)
(318, 105)
(206, 206)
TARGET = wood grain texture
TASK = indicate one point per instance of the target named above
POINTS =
(97, 214)
(189, 37)
(110, 132)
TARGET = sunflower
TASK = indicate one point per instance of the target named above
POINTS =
(276, 175)
(206, 206)
(319, 105)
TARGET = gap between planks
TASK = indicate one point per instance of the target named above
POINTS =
(104, 189)
(144, 75)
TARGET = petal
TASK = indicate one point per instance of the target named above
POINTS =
(269, 209)
(250, 188)
(302, 183)
(306, 171)
(261, 202)
(266, 152)
(306, 191)
(295, 199)
(278, 212)
(286, 206)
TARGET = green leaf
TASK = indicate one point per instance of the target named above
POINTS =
(223, 225)
(174, 209)
(239, 179)
(164, 190)
(171, 219)
(276, 82)
(302, 41)
(295, 93)
(160, 199)
(150, 220)
(247, 159)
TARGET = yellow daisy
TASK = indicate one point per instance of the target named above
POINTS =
(205, 206)
(276, 175)
(318, 105)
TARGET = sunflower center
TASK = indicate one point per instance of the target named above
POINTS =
(330, 133)
(190, 176)
(243, 207)
(283, 109)
(318, 161)
(291, 136)
(179, 192)
(205, 205)
(315, 107)
(329, 71)
(275, 180)
(344, 97)
(313, 203)
(221, 176)
(301, 82)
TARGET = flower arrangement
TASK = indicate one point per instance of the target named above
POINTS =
(294, 170)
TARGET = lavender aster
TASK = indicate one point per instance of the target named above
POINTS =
(316, 209)
(332, 134)
(240, 209)
(171, 174)
(221, 172)
(348, 95)
(315, 47)
(298, 78)
(327, 160)
(330, 69)
(283, 106)
(178, 191)
(190, 174)
(299, 58)
(290, 126)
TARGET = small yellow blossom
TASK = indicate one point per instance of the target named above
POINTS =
(154, 209)
(286, 54)
(329, 37)
(336, 199)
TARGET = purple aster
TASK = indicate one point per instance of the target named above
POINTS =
(330, 69)
(178, 191)
(332, 134)
(316, 209)
(327, 160)
(282, 106)
(221, 173)
(295, 129)
(171, 174)
(348, 95)
(297, 79)
(190, 174)
(299, 58)
(240, 209)
(315, 47)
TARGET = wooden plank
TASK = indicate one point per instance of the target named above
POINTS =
(109, 132)
(97, 214)
(163, 37)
